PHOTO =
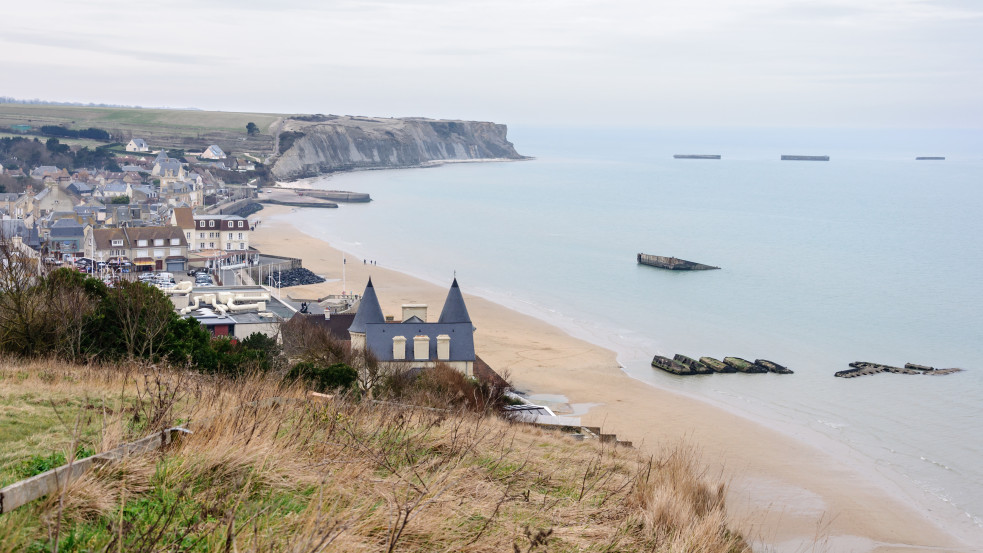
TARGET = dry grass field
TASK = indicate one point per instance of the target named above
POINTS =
(160, 127)
(266, 469)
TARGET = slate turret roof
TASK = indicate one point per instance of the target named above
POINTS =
(454, 310)
(369, 310)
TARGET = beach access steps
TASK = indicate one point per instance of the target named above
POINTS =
(672, 263)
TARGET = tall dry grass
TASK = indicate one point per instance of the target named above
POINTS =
(268, 470)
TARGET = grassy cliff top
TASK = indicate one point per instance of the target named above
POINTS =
(268, 470)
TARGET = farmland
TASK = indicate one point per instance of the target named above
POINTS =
(182, 129)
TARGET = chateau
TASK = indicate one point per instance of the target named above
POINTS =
(413, 340)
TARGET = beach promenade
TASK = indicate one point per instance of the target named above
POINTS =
(786, 495)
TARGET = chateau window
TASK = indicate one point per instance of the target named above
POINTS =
(399, 348)
(242, 245)
(201, 235)
(201, 245)
(421, 348)
(240, 236)
(211, 245)
(230, 236)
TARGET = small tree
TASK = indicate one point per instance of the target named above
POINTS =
(252, 129)
(121, 200)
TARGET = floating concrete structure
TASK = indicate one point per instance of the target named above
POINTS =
(683, 366)
(864, 368)
(804, 158)
(716, 365)
(672, 263)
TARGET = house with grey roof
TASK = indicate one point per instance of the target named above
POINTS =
(15, 229)
(66, 236)
(212, 152)
(168, 168)
(415, 342)
(42, 170)
(80, 188)
(137, 145)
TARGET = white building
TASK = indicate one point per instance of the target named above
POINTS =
(219, 236)
(137, 145)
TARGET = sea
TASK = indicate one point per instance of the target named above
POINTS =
(870, 256)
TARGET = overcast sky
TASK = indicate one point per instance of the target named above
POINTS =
(869, 63)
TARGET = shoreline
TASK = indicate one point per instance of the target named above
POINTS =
(783, 490)
(307, 181)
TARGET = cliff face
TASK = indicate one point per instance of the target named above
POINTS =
(349, 143)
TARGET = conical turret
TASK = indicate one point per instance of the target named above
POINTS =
(369, 310)
(454, 310)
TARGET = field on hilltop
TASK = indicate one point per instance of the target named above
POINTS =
(170, 128)
(268, 469)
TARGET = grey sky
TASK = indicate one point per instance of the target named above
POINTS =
(878, 63)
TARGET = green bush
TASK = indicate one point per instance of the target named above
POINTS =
(324, 379)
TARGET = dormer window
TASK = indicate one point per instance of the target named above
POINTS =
(117, 243)
(211, 223)
(158, 241)
(175, 241)
(240, 224)
(142, 243)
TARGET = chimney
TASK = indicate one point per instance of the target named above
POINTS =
(415, 310)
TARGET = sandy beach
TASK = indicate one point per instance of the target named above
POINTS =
(784, 494)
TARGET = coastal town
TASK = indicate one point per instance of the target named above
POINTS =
(168, 220)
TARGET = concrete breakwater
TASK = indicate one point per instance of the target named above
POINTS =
(696, 156)
(672, 263)
(685, 366)
(336, 195)
(804, 158)
(864, 368)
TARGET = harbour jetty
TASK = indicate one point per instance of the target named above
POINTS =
(672, 263)
(336, 195)
(930, 158)
(804, 158)
(684, 366)
(864, 368)
(696, 156)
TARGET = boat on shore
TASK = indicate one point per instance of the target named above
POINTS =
(672, 263)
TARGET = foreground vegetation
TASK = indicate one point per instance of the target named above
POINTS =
(267, 469)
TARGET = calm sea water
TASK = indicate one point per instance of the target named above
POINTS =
(870, 256)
